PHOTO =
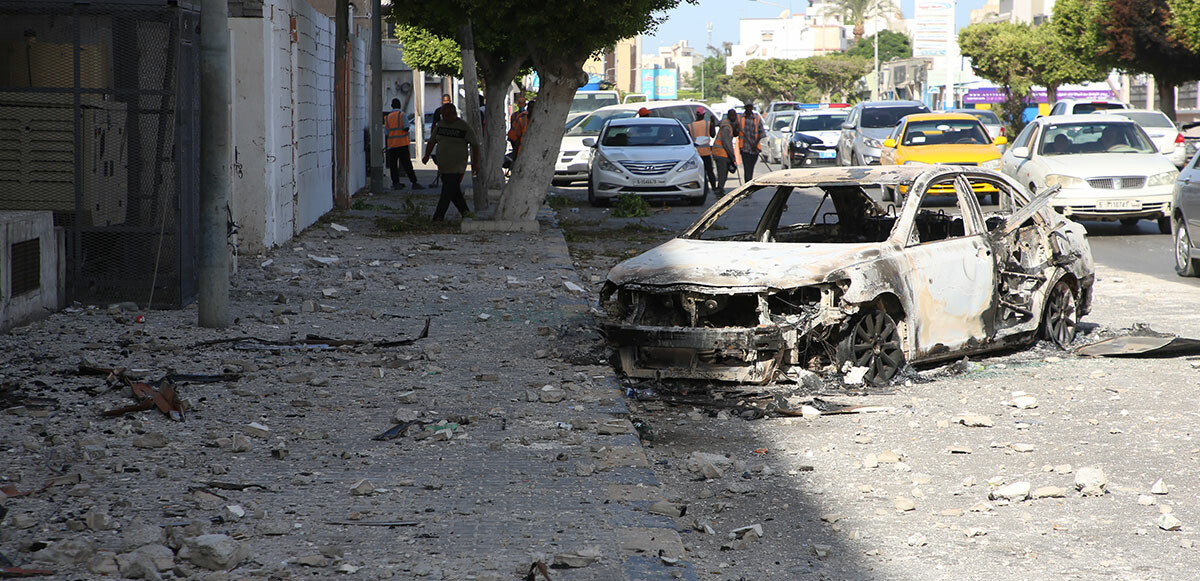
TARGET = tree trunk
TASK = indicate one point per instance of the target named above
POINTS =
(467, 41)
(497, 77)
(1166, 96)
(1051, 94)
(534, 169)
(859, 30)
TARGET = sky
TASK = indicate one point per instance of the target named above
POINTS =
(688, 21)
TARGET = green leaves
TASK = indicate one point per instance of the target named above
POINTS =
(1186, 26)
(430, 52)
(892, 45)
(813, 79)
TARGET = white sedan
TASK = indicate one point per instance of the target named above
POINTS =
(1106, 165)
(651, 157)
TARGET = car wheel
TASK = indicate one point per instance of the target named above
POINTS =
(1164, 225)
(1184, 264)
(1129, 221)
(873, 341)
(1059, 315)
(592, 199)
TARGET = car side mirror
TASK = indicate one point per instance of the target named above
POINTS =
(1020, 151)
(889, 143)
(1000, 140)
(847, 126)
(703, 141)
(589, 142)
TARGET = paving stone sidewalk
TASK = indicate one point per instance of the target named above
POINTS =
(522, 450)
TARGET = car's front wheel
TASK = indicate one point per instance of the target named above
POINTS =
(873, 341)
(1185, 265)
(592, 199)
(1164, 225)
(1059, 317)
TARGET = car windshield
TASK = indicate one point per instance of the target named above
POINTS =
(880, 117)
(588, 102)
(1085, 108)
(644, 135)
(592, 124)
(827, 214)
(831, 122)
(1076, 138)
(984, 116)
(782, 121)
(944, 132)
(784, 106)
(1147, 118)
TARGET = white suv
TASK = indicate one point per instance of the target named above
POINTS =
(648, 156)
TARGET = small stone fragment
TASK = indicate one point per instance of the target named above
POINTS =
(670, 509)
(1146, 500)
(150, 440)
(1091, 481)
(257, 430)
(576, 559)
(975, 421)
(904, 504)
(1168, 522)
(215, 552)
(1158, 487)
(1014, 491)
(1049, 492)
(363, 487)
(917, 540)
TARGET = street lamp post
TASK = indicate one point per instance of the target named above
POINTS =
(703, 60)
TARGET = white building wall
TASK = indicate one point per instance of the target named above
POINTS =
(283, 121)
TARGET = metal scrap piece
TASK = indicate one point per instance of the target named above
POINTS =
(1148, 347)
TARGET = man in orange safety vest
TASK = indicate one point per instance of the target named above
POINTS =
(397, 147)
(703, 127)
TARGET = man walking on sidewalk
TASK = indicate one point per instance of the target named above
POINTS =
(398, 156)
(452, 137)
(722, 150)
(702, 127)
(752, 135)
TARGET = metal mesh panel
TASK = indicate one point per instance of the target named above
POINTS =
(99, 123)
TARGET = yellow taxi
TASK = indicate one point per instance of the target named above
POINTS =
(945, 138)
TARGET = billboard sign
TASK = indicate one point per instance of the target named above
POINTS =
(933, 28)
(660, 84)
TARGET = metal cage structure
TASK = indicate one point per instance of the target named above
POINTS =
(99, 123)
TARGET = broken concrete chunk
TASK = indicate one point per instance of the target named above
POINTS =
(671, 509)
(1091, 481)
(577, 559)
(150, 440)
(257, 430)
(573, 287)
(904, 504)
(215, 552)
(1158, 487)
(313, 560)
(1049, 492)
(1168, 522)
(323, 260)
(363, 487)
(551, 394)
(1014, 491)
(855, 375)
(744, 537)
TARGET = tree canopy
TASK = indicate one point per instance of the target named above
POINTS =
(892, 45)
(429, 52)
(716, 82)
(857, 12)
(1187, 22)
(812, 79)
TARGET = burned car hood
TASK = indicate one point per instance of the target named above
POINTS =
(738, 266)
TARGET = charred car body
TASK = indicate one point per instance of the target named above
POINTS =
(812, 272)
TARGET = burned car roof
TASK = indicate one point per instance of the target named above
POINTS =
(874, 175)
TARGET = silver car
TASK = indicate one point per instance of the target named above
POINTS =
(867, 125)
(1185, 218)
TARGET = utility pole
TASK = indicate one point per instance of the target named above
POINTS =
(875, 89)
(341, 100)
(216, 153)
(375, 102)
(704, 60)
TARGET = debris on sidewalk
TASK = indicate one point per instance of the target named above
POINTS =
(1142, 346)
(309, 343)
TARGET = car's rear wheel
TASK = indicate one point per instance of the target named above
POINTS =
(1164, 225)
(1184, 264)
(873, 342)
(1059, 318)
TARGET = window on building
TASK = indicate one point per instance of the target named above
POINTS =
(1187, 96)
(768, 36)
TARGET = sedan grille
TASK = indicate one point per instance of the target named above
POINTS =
(1118, 183)
(648, 168)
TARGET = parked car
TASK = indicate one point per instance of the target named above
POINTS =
(648, 156)
(779, 131)
(827, 278)
(867, 125)
(587, 101)
(574, 158)
(1085, 106)
(1106, 165)
(814, 138)
(1185, 222)
(1162, 131)
(782, 106)
(949, 138)
(991, 122)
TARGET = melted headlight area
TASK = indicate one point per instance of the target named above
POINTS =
(694, 333)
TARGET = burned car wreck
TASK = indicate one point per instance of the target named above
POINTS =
(805, 268)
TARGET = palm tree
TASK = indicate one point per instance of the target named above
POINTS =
(858, 11)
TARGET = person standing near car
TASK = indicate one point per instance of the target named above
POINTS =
(751, 141)
(398, 156)
(455, 141)
(520, 124)
(702, 127)
(722, 150)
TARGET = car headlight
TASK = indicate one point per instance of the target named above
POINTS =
(689, 164)
(992, 164)
(1064, 181)
(607, 165)
(1165, 178)
(873, 143)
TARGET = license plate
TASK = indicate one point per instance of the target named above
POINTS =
(826, 154)
(1118, 205)
(649, 181)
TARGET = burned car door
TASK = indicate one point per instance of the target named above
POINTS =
(951, 277)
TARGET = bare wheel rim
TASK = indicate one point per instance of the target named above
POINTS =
(1183, 248)
(1060, 315)
(875, 344)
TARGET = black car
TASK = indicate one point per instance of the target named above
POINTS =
(804, 151)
